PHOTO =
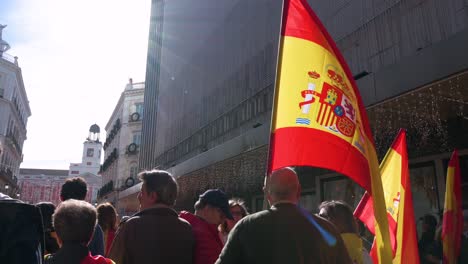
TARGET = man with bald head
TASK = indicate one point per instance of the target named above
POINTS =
(285, 233)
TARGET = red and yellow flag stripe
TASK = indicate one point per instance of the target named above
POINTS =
(399, 204)
(452, 225)
(319, 118)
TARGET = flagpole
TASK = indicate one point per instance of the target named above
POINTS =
(275, 99)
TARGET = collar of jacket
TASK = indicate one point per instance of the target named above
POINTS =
(158, 210)
(70, 253)
(283, 204)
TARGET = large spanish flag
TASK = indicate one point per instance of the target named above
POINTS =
(399, 203)
(452, 225)
(318, 118)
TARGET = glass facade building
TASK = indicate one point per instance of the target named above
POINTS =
(209, 90)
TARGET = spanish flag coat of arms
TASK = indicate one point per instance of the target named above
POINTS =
(318, 117)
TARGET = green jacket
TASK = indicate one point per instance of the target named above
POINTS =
(283, 234)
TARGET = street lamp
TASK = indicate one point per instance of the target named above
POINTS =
(7, 186)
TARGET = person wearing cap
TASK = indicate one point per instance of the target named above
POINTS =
(155, 234)
(285, 233)
(211, 209)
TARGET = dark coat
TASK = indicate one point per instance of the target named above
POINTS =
(283, 234)
(154, 235)
(96, 246)
(21, 233)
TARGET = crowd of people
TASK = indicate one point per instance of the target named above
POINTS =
(220, 230)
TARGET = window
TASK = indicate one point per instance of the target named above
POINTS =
(341, 188)
(424, 189)
(133, 171)
(139, 109)
(137, 138)
(2, 90)
(89, 163)
(308, 202)
(74, 172)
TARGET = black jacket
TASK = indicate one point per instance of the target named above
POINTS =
(22, 237)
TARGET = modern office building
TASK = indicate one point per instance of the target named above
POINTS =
(122, 147)
(14, 114)
(209, 89)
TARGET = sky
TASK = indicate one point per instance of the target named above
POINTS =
(76, 57)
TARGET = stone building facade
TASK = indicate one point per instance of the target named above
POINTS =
(44, 185)
(14, 114)
(122, 147)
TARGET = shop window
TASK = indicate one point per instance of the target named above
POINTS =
(424, 189)
(341, 188)
(308, 202)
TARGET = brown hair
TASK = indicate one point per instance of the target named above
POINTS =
(239, 202)
(233, 203)
(162, 183)
(340, 214)
(74, 188)
(107, 216)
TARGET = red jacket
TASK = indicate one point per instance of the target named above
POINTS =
(75, 253)
(208, 245)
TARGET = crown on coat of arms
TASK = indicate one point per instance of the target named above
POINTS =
(313, 74)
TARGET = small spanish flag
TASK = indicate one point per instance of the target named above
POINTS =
(399, 203)
(319, 119)
(452, 225)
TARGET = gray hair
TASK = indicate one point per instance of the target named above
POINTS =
(74, 221)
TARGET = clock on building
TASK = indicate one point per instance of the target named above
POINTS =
(89, 152)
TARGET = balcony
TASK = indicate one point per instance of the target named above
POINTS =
(14, 142)
(9, 58)
(106, 189)
(6, 175)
